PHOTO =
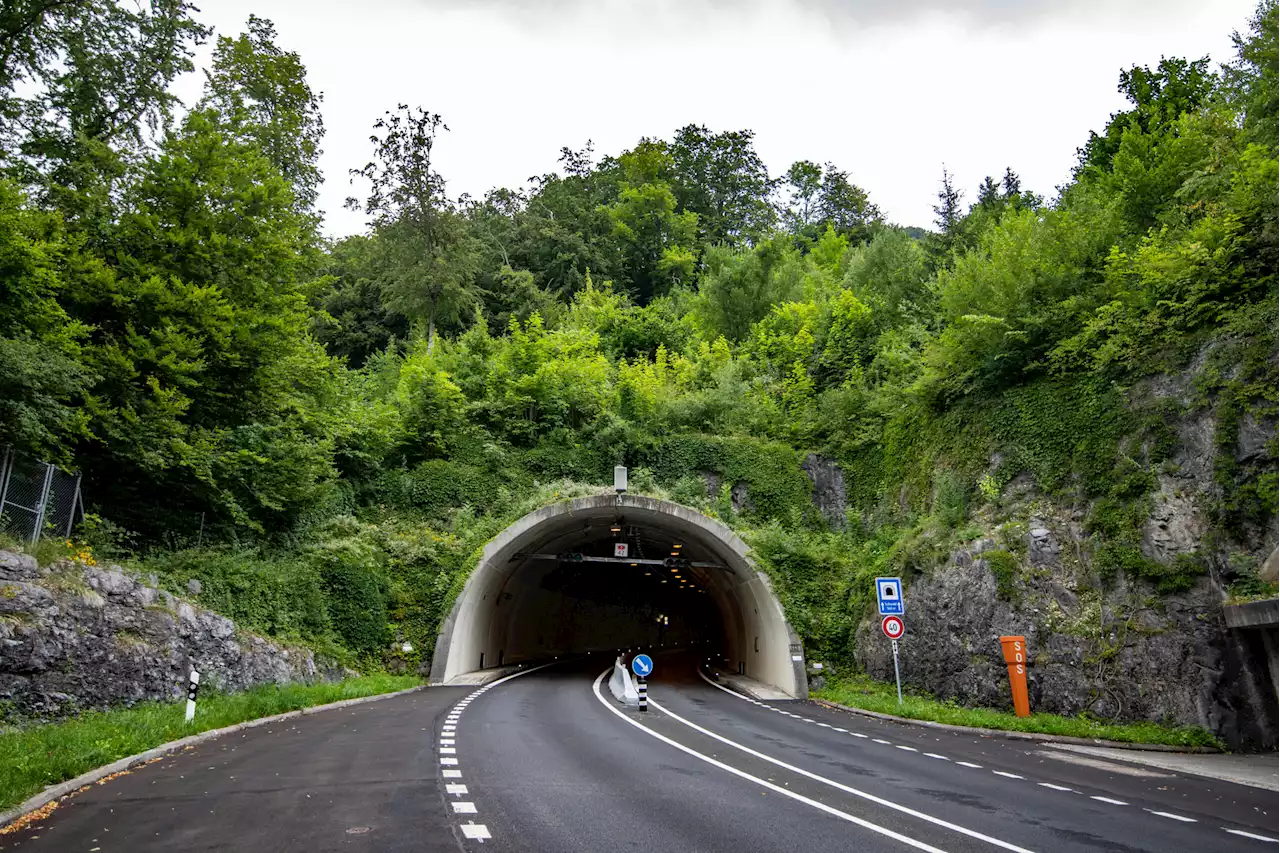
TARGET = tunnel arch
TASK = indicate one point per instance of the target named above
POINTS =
(509, 611)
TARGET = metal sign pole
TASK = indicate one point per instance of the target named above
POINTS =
(897, 676)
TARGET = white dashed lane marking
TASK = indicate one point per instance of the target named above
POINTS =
(973, 766)
(454, 788)
(1252, 835)
(464, 808)
(476, 831)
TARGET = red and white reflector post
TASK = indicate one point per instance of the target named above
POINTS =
(1015, 656)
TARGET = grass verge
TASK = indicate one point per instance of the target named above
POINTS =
(34, 757)
(870, 695)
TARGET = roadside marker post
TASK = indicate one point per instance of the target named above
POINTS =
(642, 666)
(893, 628)
(193, 686)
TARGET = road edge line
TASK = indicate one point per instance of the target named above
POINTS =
(1003, 733)
(840, 786)
(64, 789)
(742, 774)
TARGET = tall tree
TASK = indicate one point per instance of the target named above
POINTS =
(658, 239)
(1254, 75)
(845, 206)
(84, 85)
(261, 95)
(429, 264)
(721, 178)
(804, 182)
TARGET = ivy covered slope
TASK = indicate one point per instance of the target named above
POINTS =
(1052, 415)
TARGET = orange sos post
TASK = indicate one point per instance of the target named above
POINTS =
(1015, 655)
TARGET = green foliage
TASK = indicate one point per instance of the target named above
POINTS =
(776, 487)
(282, 597)
(870, 695)
(1005, 568)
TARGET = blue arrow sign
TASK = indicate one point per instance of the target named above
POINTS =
(642, 665)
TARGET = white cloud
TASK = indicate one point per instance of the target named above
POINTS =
(887, 97)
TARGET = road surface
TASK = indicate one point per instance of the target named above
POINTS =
(547, 761)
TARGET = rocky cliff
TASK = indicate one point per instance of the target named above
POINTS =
(1120, 595)
(1117, 652)
(74, 637)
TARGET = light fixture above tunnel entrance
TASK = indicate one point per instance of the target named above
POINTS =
(549, 586)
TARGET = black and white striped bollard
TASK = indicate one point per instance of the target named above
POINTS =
(643, 691)
(193, 685)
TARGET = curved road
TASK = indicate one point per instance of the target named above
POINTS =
(547, 761)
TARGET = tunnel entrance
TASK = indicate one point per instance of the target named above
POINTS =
(556, 583)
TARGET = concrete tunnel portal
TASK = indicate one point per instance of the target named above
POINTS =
(532, 597)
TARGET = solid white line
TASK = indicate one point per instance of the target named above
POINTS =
(1173, 816)
(837, 785)
(969, 764)
(935, 755)
(1008, 775)
(463, 808)
(455, 788)
(1251, 835)
(919, 845)
(1109, 800)
(1054, 787)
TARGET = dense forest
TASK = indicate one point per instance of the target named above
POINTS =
(325, 431)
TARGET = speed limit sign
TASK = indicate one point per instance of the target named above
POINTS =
(893, 627)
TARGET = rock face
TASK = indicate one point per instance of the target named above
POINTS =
(76, 637)
(828, 489)
(1120, 652)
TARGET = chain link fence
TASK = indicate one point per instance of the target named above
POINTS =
(36, 498)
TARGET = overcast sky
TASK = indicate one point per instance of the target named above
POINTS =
(889, 91)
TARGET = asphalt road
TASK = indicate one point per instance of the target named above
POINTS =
(547, 761)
